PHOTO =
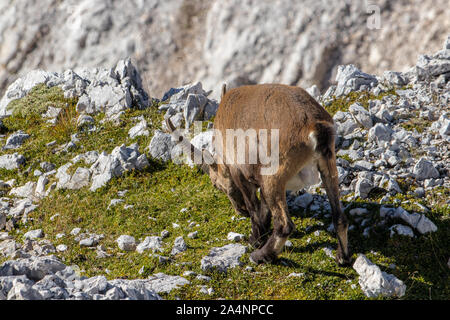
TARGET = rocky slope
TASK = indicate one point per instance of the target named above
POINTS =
(99, 140)
(175, 42)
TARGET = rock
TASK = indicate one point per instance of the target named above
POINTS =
(99, 41)
(296, 275)
(8, 247)
(380, 133)
(288, 244)
(16, 140)
(304, 200)
(349, 78)
(85, 121)
(395, 78)
(424, 169)
(361, 115)
(133, 290)
(233, 236)
(210, 109)
(416, 220)
(2, 221)
(150, 243)
(88, 157)
(362, 188)
(401, 230)
(162, 283)
(114, 202)
(126, 243)
(193, 108)
(88, 242)
(75, 231)
(94, 285)
(177, 95)
(189, 274)
(363, 165)
(425, 225)
(193, 235)
(358, 211)
(61, 248)
(223, 258)
(23, 291)
(411, 219)
(206, 290)
(375, 282)
(52, 112)
(121, 159)
(11, 161)
(419, 192)
(178, 246)
(342, 174)
(203, 140)
(165, 234)
(34, 234)
(329, 252)
(139, 129)
(34, 268)
(313, 92)
(80, 179)
(347, 127)
(161, 145)
(25, 191)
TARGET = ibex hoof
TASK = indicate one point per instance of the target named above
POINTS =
(258, 257)
(343, 261)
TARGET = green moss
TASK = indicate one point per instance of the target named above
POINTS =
(38, 100)
(159, 193)
(346, 157)
(363, 97)
(416, 123)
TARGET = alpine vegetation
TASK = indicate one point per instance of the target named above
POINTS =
(108, 193)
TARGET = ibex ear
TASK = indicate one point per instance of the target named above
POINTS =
(224, 90)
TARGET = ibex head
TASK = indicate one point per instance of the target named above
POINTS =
(219, 175)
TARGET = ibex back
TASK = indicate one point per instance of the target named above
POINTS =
(305, 144)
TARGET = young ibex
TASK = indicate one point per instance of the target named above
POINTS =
(306, 138)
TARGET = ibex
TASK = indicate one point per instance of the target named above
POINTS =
(306, 143)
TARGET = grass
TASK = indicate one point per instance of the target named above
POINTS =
(38, 100)
(416, 123)
(158, 196)
(344, 102)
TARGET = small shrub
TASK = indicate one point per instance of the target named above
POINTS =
(38, 100)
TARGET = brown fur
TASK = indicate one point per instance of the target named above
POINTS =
(296, 115)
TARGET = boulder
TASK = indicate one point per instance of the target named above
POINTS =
(161, 146)
(140, 129)
(126, 243)
(350, 78)
(11, 161)
(380, 133)
(153, 243)
(424, 169)
(16, 140)
(223, 258)
(178, 246)
(375, 282)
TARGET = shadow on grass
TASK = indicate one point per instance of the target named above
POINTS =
(420, 262)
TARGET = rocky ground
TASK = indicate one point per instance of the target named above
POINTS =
(97, 203)
(175, 42)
